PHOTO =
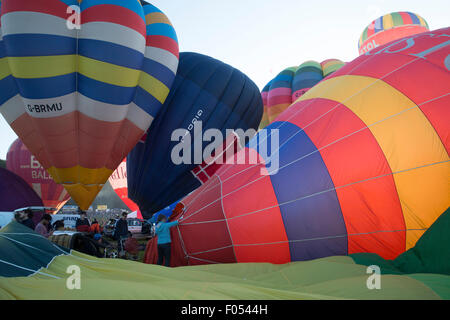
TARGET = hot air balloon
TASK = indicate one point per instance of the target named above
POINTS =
(207, 94)
(389, 27)
(292, 83)
(20, 161)
(363, 166)
(80, 96)
(118, 181)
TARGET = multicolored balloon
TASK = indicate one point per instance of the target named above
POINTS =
(20, 161)
(363, 166)
(118, 181)
(291, 84)
(207, 94)
(389, 27)
(81, 85)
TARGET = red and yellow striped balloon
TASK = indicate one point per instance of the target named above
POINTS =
(363, 166)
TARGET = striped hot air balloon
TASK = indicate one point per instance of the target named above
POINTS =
(292, 83)
(389, 27)
(363, 166)
(80, 95)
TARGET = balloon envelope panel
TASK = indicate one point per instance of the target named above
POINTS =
(20, 161)
(207, 92)
(363, 167)
(118, 181)
(81, 96)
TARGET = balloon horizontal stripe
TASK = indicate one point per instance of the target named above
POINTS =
(114, 34)
(163, 57)
(139, 117)
(153, 86)
(111, 53)
(49, 7)
(37, 23)
(105, 92)
(4, 69)
(163, 42)
(159, 71)
(42, 67)
(39, 45)
(108, 73)
(43, 88)
(147, 102)
(9, 109)
(113, 15)
(133, 6)
(157, 17)
(162, 29)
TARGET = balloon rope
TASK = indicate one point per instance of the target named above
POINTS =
(309, 239)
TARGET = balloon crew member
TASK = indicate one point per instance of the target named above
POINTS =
(162, 230)
(29, 219)
(83, 224)
(121, 230)
(42, 227)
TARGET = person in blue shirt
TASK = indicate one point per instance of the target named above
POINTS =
(162, 230)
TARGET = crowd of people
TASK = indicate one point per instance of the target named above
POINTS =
(121, 234)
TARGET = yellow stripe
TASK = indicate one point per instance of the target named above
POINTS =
(407, 139)
(42, 67)
(153, 86)
(156, 17)
(108, 73)
(83, 184)
(4, 68)
(388, 22)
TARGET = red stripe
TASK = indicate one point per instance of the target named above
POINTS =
(406, 18)
(275, 100)
(260, 227)
(114, 14)
(53, 7)
(369, 206)
(165, 43)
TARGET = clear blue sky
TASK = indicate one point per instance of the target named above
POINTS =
(262, 37)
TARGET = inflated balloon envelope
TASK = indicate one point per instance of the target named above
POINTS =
(20, 161)
(363, 167)
(81, 95)
(207, 94)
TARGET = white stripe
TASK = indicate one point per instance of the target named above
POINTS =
(21, 22)
(114, 33)
(100, 110)
(12, 109)
(62, 195)
(163, 57)
(67, 103)
(139, 117)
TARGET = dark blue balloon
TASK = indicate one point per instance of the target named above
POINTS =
(206, 90)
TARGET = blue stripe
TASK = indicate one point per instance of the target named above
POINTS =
(44, 88)
(414, 18)
(105, 92)
(33, 45)
(111, 53)
(159, 71)
(149, 8)
(8, 89)
(379, 24)
(147, 102)
(134, 6)
(2, 50)
(161, 29)
(70, 2)
(311, 217)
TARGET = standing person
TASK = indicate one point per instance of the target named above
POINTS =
(162, 230)
(83, 224)
(29, 219)
(121, 230)
(42, 226)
